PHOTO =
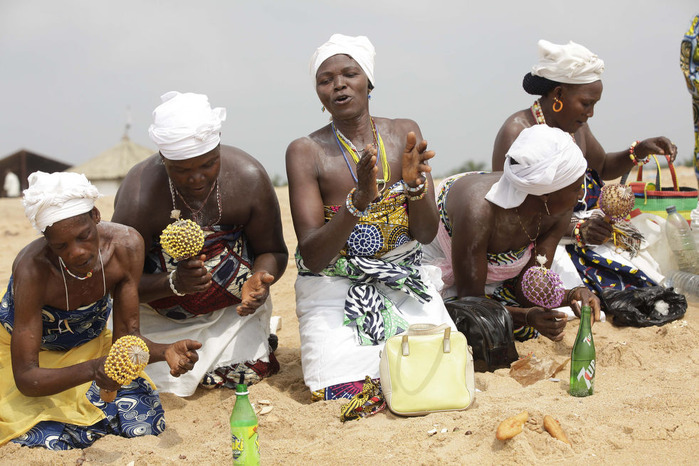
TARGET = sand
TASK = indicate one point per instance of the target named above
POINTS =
(644, 409)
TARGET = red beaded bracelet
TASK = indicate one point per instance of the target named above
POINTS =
(632, 155)
(578, 235)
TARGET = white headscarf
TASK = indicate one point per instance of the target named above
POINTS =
(52, 197)
(359, 48)
(185, 126)
(547, 160)
(570, 64)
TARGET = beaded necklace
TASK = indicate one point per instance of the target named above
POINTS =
(538, 114)
(65, 284)
(347, 146)
(196, 214)
(78, 277)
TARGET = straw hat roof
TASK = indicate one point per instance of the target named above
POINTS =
(114, 163)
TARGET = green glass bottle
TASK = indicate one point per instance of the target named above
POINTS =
(244, 440)
(582, 359)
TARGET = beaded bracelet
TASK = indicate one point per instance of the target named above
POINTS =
(416, 189)
(349, 203)
(419, 196)
(578, 235)
(171, 279)
(632, 155)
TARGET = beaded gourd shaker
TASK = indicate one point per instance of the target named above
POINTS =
(542, 286)
(127, 357)
(616, 201)
(182, 239)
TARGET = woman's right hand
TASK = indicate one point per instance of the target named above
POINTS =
(192, 276)
(101, 378)
(595, 230)
(367, 171)
(550, 324)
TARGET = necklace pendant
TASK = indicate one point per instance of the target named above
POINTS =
(89, 274)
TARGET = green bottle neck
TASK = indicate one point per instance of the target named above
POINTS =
(585, 318)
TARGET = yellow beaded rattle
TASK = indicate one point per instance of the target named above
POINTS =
(127, 357)
(182, 239)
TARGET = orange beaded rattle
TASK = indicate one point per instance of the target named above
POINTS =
(127, 357)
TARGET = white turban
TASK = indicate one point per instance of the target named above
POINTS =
(52, 197)
(359, 48)
(547, 160)
(570, 64)
(185, 126)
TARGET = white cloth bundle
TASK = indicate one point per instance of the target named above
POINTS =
(359, 48)
(570, 63)
(547, 159)
(52, 197)
(185, 126)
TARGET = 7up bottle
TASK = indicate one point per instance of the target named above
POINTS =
(582, 360)
(244, 441)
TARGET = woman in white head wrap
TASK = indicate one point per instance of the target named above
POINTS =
(53, 324)
(493, 225)
(567, 77)
(361, 193)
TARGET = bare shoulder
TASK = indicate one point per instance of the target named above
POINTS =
(31, 264)
(141, 185)
(467, 195)
(123, 237)
(514, 124)
(399, 125)
(238, 168)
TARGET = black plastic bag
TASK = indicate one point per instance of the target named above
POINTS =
(643, 307)
(489, 331)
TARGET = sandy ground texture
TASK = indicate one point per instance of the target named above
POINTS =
(644, 410)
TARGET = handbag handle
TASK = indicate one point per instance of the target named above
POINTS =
(670, 165)
(427, 329)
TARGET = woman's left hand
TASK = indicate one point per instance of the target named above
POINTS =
(181, 356)
(582, 296)
(415, 157)
(659, 145)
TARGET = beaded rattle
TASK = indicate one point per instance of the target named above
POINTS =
(127, 357)
(542, 286)
(616, 202)
(182, 239)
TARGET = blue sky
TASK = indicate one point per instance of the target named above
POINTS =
(71, 69)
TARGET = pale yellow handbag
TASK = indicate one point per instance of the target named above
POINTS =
(427, 369)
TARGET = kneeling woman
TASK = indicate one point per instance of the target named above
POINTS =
(54, 340)
(493, 225)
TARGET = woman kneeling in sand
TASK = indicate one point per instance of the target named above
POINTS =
(359, 216)
(54, 338)
(495, 224)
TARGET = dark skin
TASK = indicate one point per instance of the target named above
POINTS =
(247, 198)
(38, 282)
(480, 227)
(578, 106)
(318, 174)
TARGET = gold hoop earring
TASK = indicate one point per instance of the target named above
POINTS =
(557, 102)
(322, 109)
(546, 204)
